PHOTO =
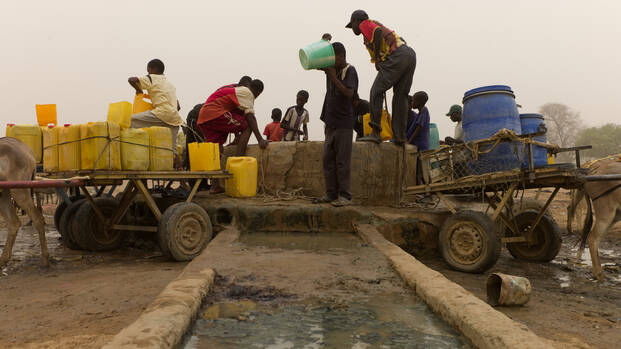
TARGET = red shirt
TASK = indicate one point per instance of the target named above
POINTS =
(273, 132)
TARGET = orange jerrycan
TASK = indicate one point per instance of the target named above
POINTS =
(46, 114)
(120, 113)
(141, 104)
(244, 181)
(204, 156)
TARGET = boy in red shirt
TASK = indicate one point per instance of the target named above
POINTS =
(395, 63)
(273, 131)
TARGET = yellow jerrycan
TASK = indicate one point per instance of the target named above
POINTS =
(386, 125)
(160, 149)
(244, 181)
(100, 148)
(134, 149)
(31, 136)
(204, 156)
(50, 148)
(141, 104)
(46, 114)
(120, 113)
(8, 128)
(69, 147)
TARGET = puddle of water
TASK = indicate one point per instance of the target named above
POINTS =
(301, 241)
(385, 321)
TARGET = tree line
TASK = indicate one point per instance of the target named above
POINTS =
(567, 129)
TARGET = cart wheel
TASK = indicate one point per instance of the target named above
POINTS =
(184, 231)
(469, 242)
(60, 208)
(91, 233)
(526, 204)
(547, 235)
(65, 224)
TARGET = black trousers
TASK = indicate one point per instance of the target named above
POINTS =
(397, 71)
(337, 162)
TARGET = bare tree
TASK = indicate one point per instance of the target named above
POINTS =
(563, 125)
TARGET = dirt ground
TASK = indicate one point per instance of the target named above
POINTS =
(85, 298)
(566, 302)
(82, 300)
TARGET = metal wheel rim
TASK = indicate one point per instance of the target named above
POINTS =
(101, 233)
(188, 232)
(532, 249)
(466, 243)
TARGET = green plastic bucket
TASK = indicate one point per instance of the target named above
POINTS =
(317, 55)
(434, 136)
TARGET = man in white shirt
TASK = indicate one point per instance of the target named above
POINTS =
(455, 115)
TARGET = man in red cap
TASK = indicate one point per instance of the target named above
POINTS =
(395, 63)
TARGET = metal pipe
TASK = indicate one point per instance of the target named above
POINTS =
(47, 183)
(601, 178)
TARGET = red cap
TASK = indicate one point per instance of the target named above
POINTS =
(10, 125)
(67, 125)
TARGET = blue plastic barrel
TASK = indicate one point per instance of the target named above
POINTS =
(531, 123)
(434, 136)
(487, 110)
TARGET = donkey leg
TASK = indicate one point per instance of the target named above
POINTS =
(7, 211)
(602, 224)
(23, 198)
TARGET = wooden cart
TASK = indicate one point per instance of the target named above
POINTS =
(471, 241)
(90, 217)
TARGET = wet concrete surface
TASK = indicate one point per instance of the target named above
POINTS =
(381, 312)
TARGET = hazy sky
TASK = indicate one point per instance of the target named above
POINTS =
(78, 54)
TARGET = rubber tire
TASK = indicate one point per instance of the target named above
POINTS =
(88, 233)
(527, 204)
(60, 208)
(490, 239)
(182, 214)
(551, 234)
(65, 225)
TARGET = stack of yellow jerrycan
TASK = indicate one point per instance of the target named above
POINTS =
(69, 148)
(120, 113)
(160, 149)
(244, 181)
(100, 147)
(50, 148)
(30, 135)
(204, 156)
(134, 149)
(386, 125)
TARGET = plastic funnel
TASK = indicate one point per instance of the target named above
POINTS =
(317, 55)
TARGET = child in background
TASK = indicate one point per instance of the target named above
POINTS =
(418, 132)
(273, 131)
(294, 117)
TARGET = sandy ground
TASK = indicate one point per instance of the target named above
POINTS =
(85, 298)
(566, 303)
(82, 300)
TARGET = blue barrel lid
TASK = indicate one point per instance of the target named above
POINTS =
(491, 88)
(531, 116)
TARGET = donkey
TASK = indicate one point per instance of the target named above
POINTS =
(17, 163)
(603, 201)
